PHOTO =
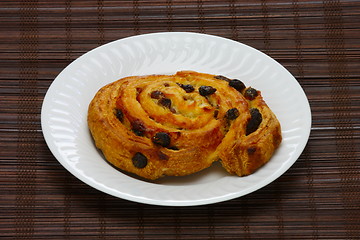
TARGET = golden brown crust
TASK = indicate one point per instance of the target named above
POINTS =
(126, 116)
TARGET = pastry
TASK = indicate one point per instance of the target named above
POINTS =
(176, 125)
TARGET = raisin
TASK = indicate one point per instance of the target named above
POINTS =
(206, 90)
(138, 90)
(251, 150)
(250, 93)
(216, 113)
(173, 148)
(237, 84)
(139, 160)
(254, 122)
(162, 156)
(232, 114)
(166, 102)
(187, 87)
(161, 138)
(173, 110)
(156, 94)
(138, 127)
(220, 77)
(119, 115)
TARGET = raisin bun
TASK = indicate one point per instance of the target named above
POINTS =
(175, 125)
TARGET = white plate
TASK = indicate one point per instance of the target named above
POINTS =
(64, 113)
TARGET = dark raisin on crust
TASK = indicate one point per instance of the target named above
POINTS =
(251, 150)
(232, 113)
(187, 87)
(139, 160)
(119, 115)
(162, 139)
(173, 148)
(216, 113)
(162, 156)
(254, 122)
(206, 90)
(237, 84)
(138, 90)
(156, 94)
(138, 127)
(250, 93)
(220, 77)
(173, 110)
(165, 102)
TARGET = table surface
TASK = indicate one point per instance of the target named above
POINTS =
(317, 198)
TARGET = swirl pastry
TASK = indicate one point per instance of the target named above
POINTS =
(175, 125)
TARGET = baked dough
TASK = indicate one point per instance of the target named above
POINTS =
(176, 125)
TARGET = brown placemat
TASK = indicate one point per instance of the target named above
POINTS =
(317, 41)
